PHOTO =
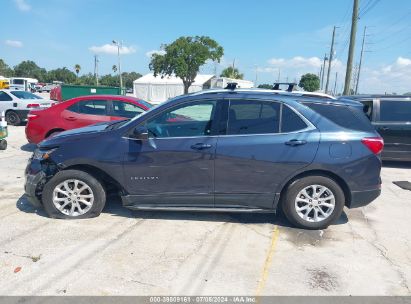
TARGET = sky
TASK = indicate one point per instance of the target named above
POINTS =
(265, 39)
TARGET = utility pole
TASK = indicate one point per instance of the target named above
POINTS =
(119, 45)
(350, 59)
(330, 60)
(322, 75)
(279, 75)
(96, 68)
(335, 83)
(359, 66)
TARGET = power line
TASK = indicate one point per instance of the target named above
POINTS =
(365, 11)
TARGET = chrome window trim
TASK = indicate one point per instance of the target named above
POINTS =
(310, 126)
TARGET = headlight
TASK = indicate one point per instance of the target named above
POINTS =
(42, 154)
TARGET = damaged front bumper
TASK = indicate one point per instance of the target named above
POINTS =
(34, 182)
(38, 172)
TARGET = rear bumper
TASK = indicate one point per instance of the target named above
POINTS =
(363, 198)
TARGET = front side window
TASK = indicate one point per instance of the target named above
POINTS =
(253, 117)
(193, 119)
(89, 107)
(393, 110)
(5, 97)
(125, 109)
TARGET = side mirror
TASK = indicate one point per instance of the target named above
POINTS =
(140, 133)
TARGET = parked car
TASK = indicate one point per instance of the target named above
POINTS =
(46, 88)
(79, 112)
(237, 150)
(17, 104)
(391, 116)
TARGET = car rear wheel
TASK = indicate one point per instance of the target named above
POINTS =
(73, 194)
(313, 202)
(13, 118)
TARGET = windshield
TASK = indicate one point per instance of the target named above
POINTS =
(25, 95)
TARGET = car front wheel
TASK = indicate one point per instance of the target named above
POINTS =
(313, 202)
(73, 194)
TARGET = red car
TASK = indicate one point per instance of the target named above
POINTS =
(79, 112)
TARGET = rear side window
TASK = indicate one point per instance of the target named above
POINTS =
(343, 116)
(393, 110)
(5, 97)
(125, 109)
(253, 117)
(90, 107)
(290, 121)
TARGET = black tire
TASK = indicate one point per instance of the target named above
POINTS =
(289, 208)
(95, 185)
(3, 144)
(13, 118)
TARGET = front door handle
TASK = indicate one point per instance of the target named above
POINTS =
(295, 142)
(71, 118)
(200, 146)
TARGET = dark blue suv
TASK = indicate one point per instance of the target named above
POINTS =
(218, 150)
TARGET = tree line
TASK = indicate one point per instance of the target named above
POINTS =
(30, 69)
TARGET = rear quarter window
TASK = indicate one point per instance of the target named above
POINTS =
(343, 116)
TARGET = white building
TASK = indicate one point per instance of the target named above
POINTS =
(159, 89)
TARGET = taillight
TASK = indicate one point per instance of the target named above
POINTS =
(375, 144)
(33, 105)
(31, 116)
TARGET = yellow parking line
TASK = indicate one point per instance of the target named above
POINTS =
(268, 260)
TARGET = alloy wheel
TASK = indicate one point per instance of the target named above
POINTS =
(73, 197)
(315, 203)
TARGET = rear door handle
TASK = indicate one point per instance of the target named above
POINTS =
(295, 142)
(385, 128)
(200, 146)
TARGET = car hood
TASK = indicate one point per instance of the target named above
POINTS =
(74, 134)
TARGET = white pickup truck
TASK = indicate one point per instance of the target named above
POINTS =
(17, 104)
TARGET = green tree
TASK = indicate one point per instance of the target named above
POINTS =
(61, 74)
(110, 80)
(114, 68)
(87, 79)
(310, 82)
(265, 86)
(128, 78)
(30, 69)
(231, 72)
(77, 68)
(184, 57)
(5, 70)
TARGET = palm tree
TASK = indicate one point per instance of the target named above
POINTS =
(231, 72)
(77, 68)
(114, 68)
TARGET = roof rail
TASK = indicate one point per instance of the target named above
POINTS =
(231, 86)
(290, 88)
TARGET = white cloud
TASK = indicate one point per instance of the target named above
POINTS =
(22, 5)
(389, 78)
(14, 43)
(152, 52)
(112, 49)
